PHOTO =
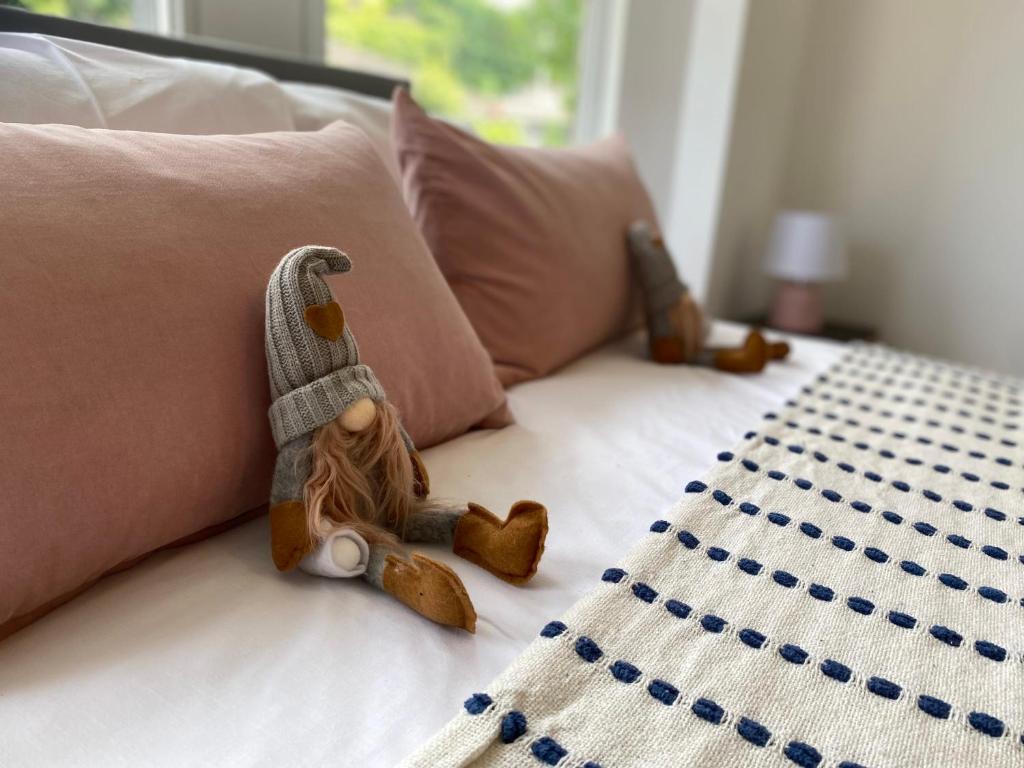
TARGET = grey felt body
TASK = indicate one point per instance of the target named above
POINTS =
(292, 470)
(430, 525)
(661, 285)
(658, 278)
(374, 573)
(433, 525)
(427, 526)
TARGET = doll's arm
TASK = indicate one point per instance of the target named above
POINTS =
(289, 536)
(289, 531)
(420, 478)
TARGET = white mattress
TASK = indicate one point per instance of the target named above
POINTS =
(207, 656)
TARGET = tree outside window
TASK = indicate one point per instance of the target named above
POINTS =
(113, 13)
(507, 69)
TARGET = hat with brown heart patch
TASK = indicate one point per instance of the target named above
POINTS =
(312, 356)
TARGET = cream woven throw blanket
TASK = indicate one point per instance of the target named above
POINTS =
(845, 588)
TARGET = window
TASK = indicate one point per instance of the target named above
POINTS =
(114, 13)
(505, 68)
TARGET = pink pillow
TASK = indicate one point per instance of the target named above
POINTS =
(132, 368)
(532, 241)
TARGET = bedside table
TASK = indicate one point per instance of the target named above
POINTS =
(836, 331)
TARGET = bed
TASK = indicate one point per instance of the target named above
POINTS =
(204, 655)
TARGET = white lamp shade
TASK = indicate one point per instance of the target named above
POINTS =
(806, 247)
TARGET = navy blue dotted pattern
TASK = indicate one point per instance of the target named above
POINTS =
(548, 751)
(752, 637)
(644, 592)
(553, 629)
(907, 418)
(831, 668)
(855, 603)
(513, 725)
(835, 670)
(477, 703)
(863, 507)
(588, 650)
(663, 692)
(916, 402)
(838, 437)
(874, 554)
(708, 710)
(921, 379)
(753, 731)
(930, 374)
(625, 672)
(802, 754)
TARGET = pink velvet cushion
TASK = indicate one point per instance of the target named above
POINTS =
(132, 369)
(532, 241)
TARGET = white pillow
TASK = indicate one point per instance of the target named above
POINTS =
(56, 80)
(38, 86)
(314, 106)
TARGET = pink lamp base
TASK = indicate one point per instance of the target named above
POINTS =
(798, 308)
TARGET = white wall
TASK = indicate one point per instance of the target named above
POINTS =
(755, 176)
(702, 151)
(909, 120)
(680, 64)
(655, 53)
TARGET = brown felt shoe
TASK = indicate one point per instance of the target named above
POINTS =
(667, 350)
(778, 350)
(431, 589)
(509, 548)
(749, 358)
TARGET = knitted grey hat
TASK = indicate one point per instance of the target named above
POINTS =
(654, 268)
(312, 378)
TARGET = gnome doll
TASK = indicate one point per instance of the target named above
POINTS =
(675, 323)
(349, 487)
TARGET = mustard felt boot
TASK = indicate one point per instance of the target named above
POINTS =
(751, 357)
(430, 588)
(778, 350)
(509, 548)
(667, 350)
(289, 536)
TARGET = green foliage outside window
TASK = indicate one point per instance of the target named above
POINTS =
(115, 13)
(506, 68)
(465, 58)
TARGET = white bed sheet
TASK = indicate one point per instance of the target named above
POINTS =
(206, 656)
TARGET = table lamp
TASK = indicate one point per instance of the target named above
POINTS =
(806, 249)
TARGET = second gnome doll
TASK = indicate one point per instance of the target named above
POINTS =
(349, 487)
